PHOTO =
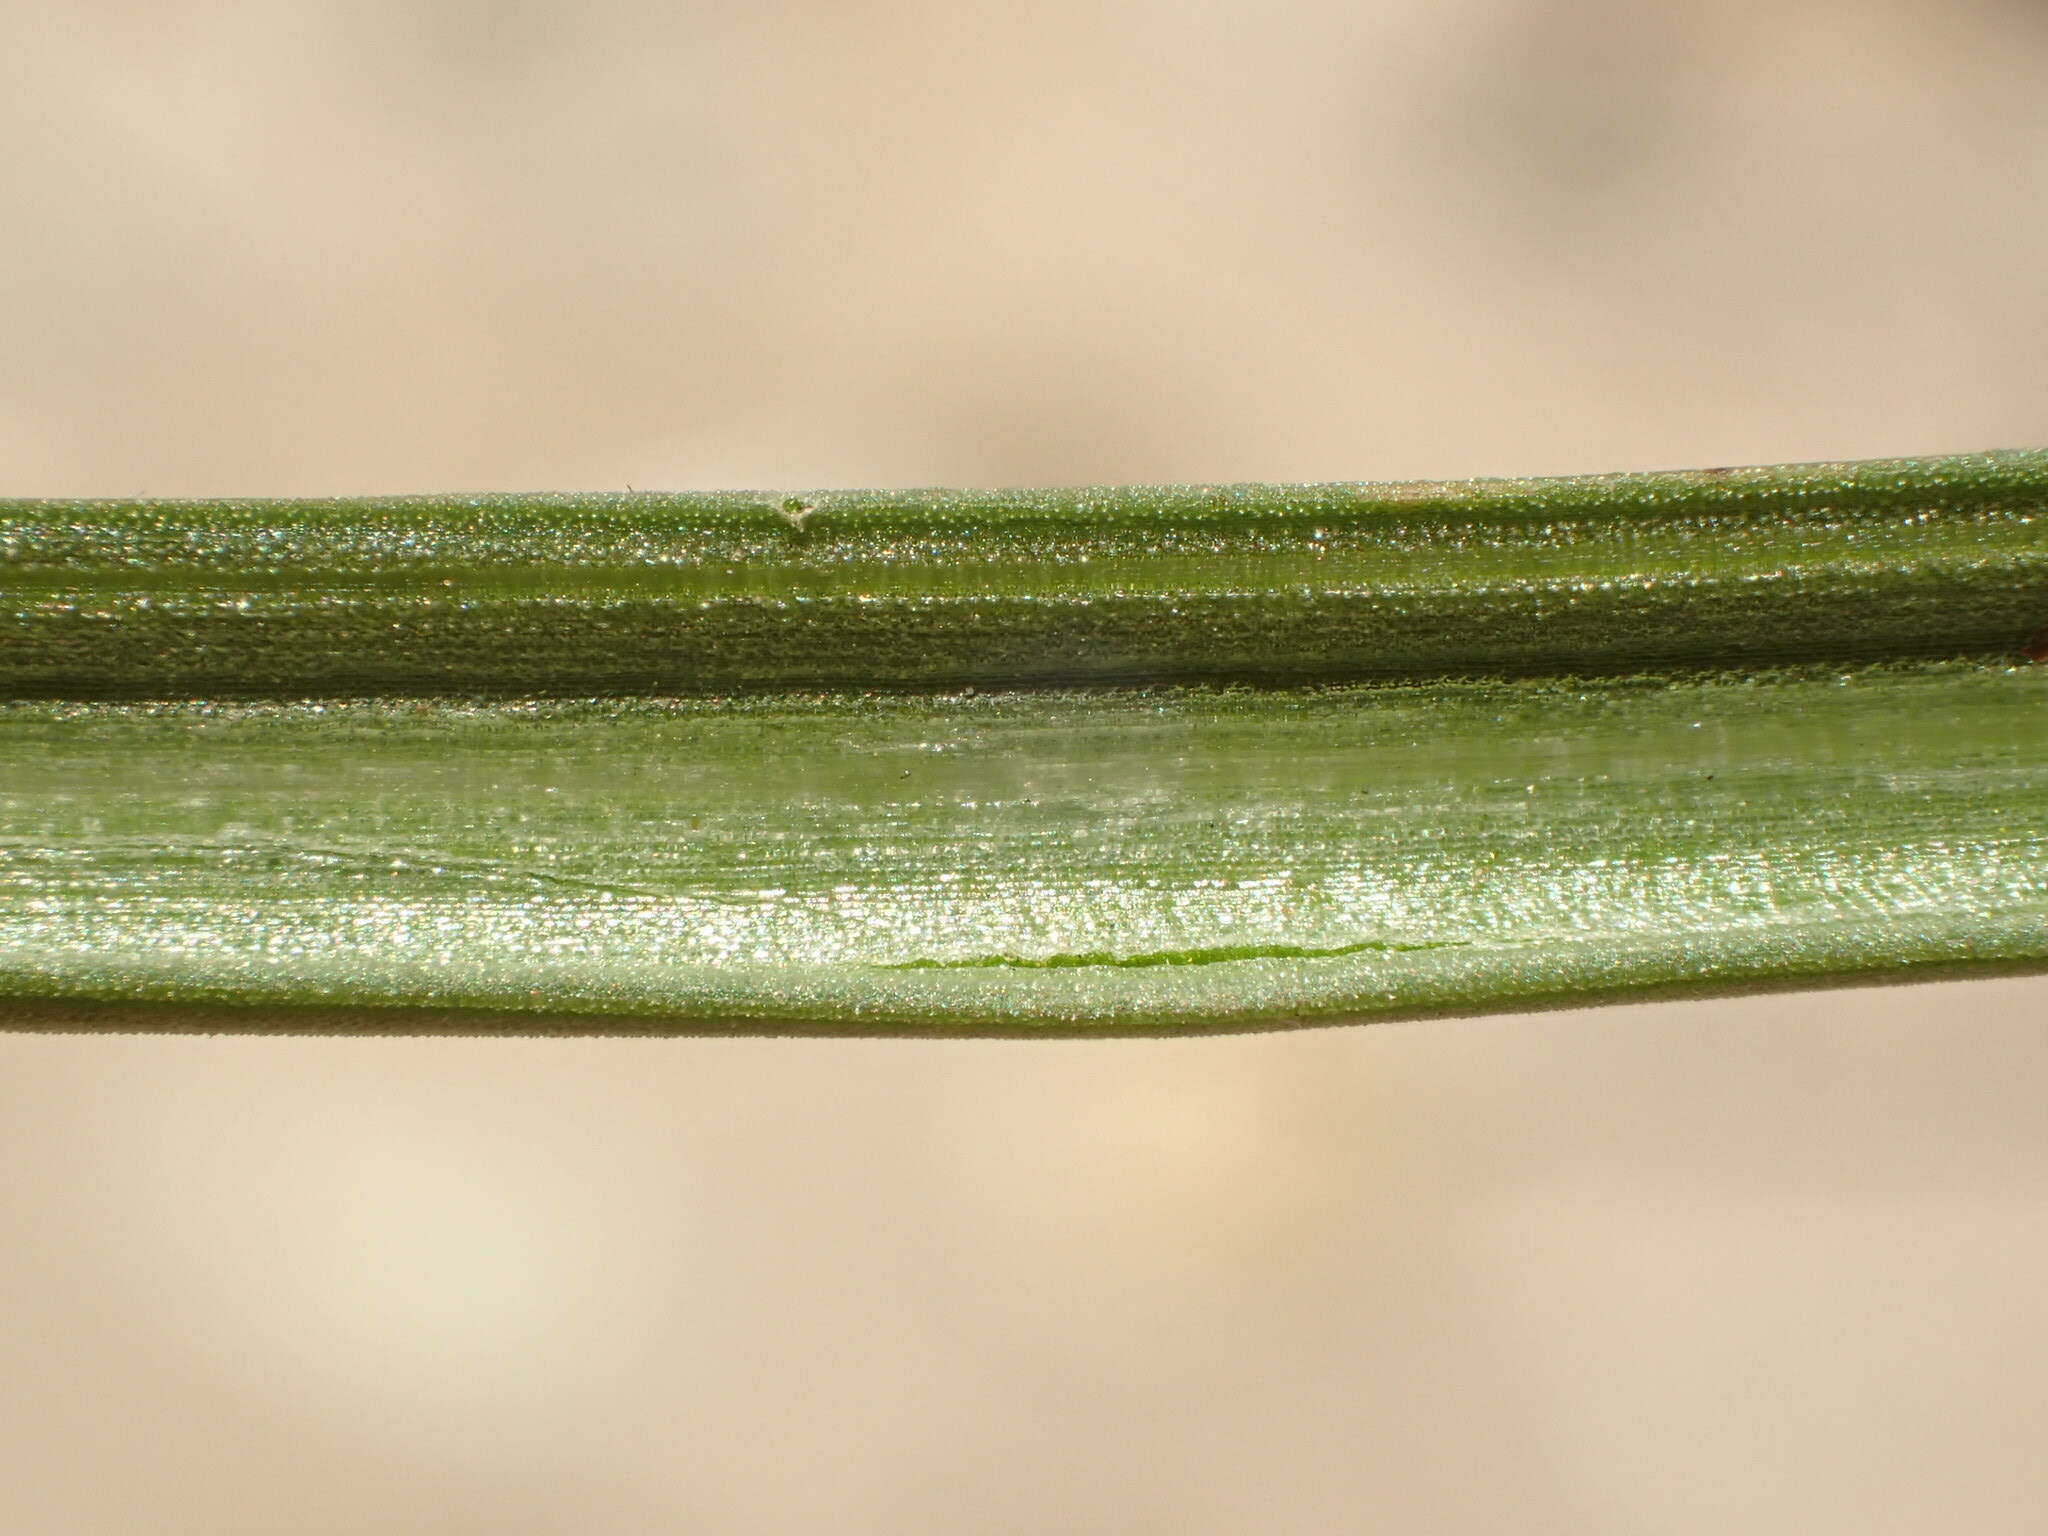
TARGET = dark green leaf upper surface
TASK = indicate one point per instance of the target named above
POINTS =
(538, 595)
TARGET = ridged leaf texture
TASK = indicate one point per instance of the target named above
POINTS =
(1131, 760)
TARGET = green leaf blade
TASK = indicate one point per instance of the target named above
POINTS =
(714, 762)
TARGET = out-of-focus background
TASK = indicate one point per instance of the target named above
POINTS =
(1763, 1266)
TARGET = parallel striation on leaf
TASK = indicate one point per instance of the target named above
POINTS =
(959, 763)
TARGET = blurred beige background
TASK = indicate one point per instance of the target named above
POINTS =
(1771, 1266)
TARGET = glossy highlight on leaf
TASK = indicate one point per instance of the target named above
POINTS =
(1047, 762)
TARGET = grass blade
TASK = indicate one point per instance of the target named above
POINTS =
(1616, 738)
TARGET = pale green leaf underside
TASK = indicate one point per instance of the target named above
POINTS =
(1653, 793)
